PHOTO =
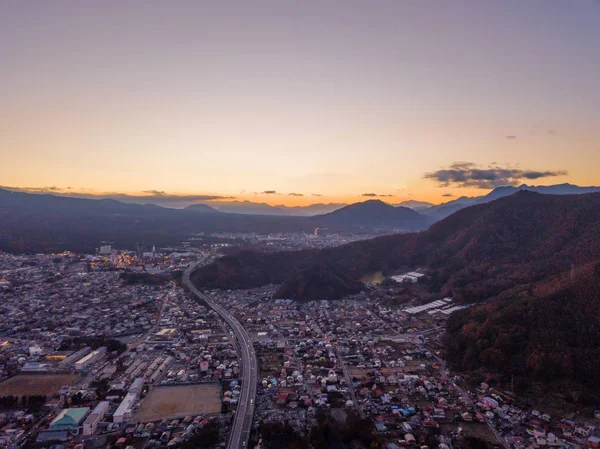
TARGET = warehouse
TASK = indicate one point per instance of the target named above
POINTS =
(90, 358)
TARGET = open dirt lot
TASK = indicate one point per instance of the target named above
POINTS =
(172, 402)
(357, 372)
(31, 384)
(473, 429)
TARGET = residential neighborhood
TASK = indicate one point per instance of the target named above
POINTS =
(111, 349)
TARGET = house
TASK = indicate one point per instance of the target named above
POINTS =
(489, 402)
(593, 442)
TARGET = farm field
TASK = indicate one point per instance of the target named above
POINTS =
(175, 401)
(33, 384)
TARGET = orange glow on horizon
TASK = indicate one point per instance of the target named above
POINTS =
(431, 195)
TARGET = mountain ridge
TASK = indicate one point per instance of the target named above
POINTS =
(375, 213)
(483, 251)
(443, 210)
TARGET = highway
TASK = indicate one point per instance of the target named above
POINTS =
(240, 433)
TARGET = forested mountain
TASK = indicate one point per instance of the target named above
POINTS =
(318, 282)
(494, 249)
(549, 334)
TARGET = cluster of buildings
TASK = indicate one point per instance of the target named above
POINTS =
(283, 241)
(175, 371)
(381, 359)
(95, 348)
(49, 297)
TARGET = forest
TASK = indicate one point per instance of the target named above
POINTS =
(550, 336)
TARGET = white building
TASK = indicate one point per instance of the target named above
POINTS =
(105, 250)
(90, 358)
(137, 385)
(75, 356)
(35, 367)
(90, 425)
(35, 350)
(124, 411)
(413, 277)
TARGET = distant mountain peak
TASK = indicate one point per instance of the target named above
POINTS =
(444, 210)
(375, 213)
(203, 208)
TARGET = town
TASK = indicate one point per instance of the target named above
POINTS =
(112, 350)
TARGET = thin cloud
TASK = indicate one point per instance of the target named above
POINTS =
(155, 192)
(468, 174)
(269, 192)
(552, 132)
(157, 197)
(376, 195)
(315, 194)
(47, 189)
(448, 195)
(511, 137)
(295, 194)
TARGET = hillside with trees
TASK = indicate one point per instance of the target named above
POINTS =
(318, 282)
(499, 249)
(551, 335)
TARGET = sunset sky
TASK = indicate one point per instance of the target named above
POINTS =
(325, 100)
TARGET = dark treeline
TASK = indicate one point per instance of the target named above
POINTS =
(327, 433)
(75, 343)
(32, 402)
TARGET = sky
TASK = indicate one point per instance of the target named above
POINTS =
(297, 102)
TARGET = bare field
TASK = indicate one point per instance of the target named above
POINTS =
(473, 429)
(357, 372)
(171, 402)
(32, 384)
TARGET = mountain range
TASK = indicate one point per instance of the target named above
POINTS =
(251, 208)
(493, 249)
(232, 206)
(49, 223)
(436, 212)
(373, 214)
(445, 209)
